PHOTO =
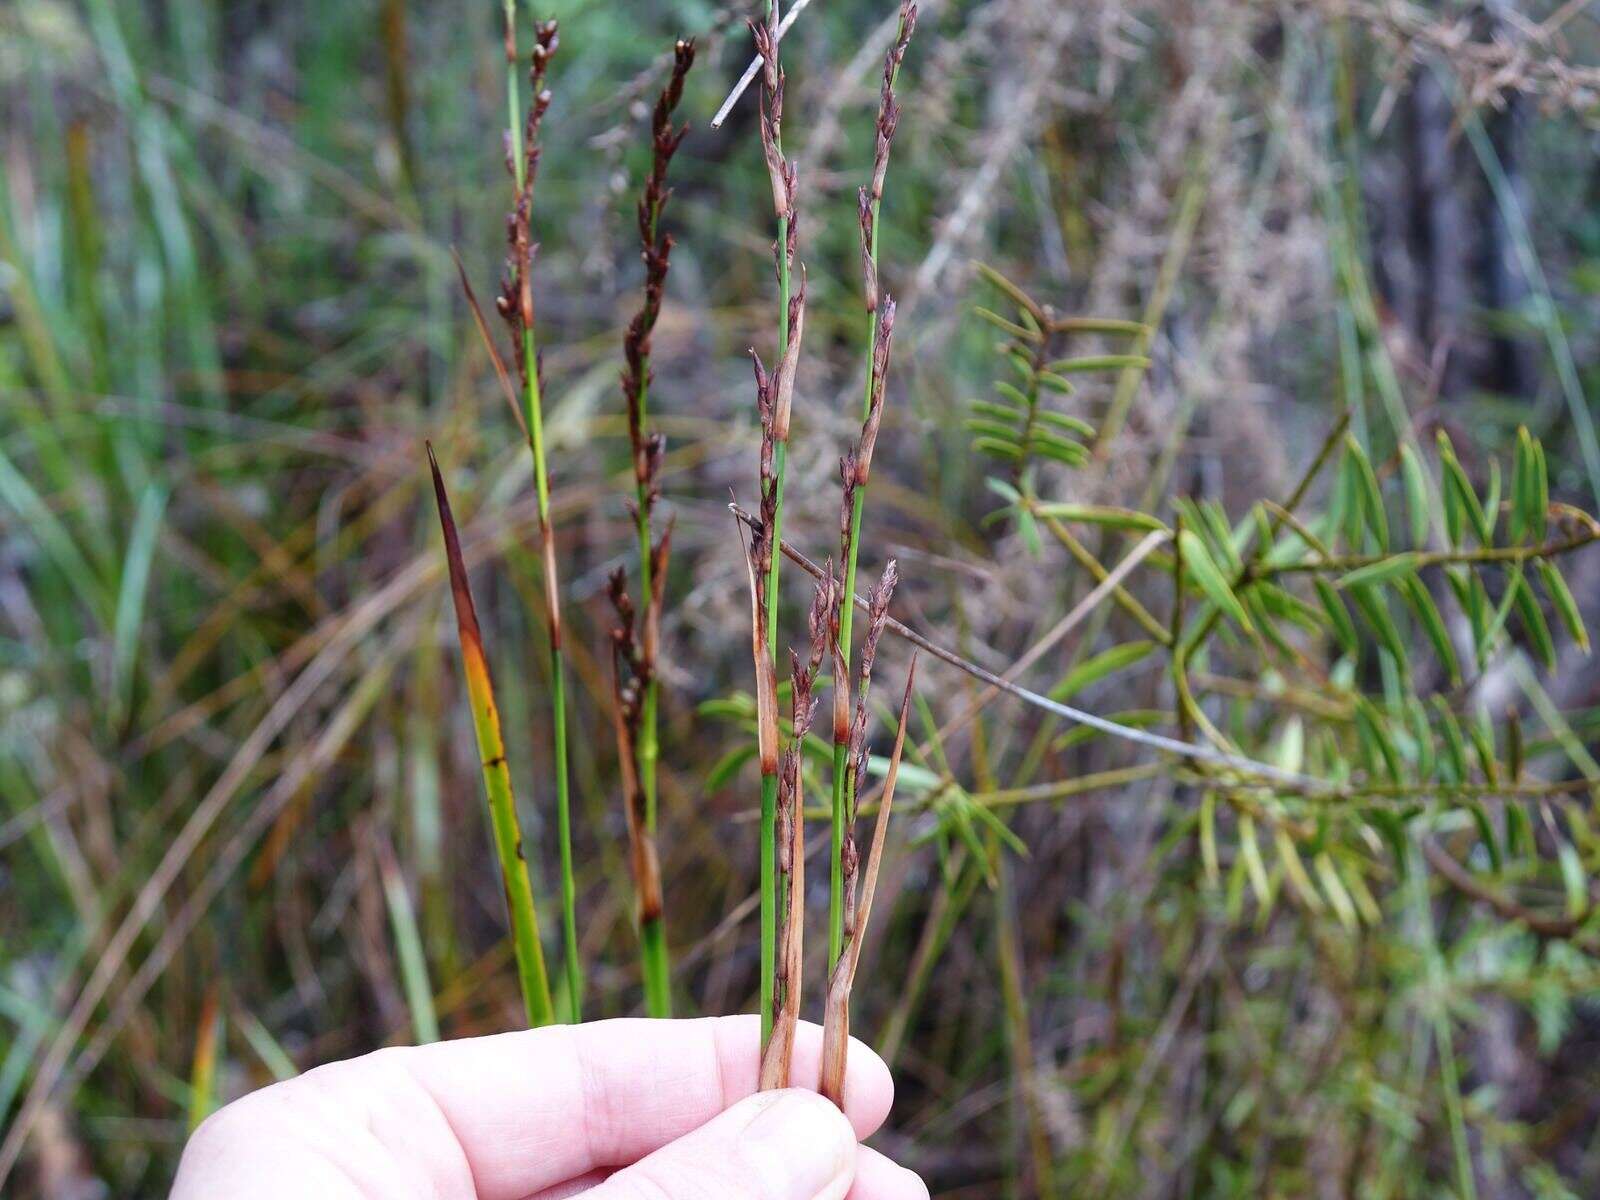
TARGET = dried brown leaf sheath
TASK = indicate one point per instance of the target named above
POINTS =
(777, 1056)
(778, 1053)
(836, 1016)
(643, 860)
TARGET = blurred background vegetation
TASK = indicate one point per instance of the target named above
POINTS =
(238, 783)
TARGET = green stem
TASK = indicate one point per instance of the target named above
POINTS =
(841, 750)
(558, 678)
(513, 93)
(558, 686)
(654, 962)
(769, 784)
(842, 789)
(657, 974)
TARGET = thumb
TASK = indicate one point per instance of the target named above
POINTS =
(786, 1145)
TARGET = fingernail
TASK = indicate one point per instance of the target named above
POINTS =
(802, 1147)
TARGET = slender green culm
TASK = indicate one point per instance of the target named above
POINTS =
(516, 306)
(529, 952)
(777, 392)
(869, 202)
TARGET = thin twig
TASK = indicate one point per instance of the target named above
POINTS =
(750, 72)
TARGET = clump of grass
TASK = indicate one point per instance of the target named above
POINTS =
(776, 393)
(636, 698)
(857, 466)
(515, 304)
(529, 952)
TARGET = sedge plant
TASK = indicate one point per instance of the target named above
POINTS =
(636, 675)
(515, 304)
(777, 394)
(857, 467)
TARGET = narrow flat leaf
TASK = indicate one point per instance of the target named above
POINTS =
(1003, 489)
(1376, 742)
(1375, 609)
(1562, 600)
(1524, 488)
(1202, 568)
(1344, 629)
(1394, 567)
(998, 430)
(1333, 887)
(1255, 868)
(1013, 393)
(1480, 818)
(1000, 449)
(999, 322)
(1519, 830)
(1107, 662)
(1482, 737)
(1460, 497)
(1541, 484)
(1420, 601)
(999, 412)
(1416, 485)
(726, 767)
(1099, 514)
(1534, 624)
(1455, 746)
(1294, 869)
(1353, 509)
(1069, 453)
(1097, 362)
(1371, 495)
(1063, 421)
(1099, 325)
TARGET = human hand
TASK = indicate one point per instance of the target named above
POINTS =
(614, 1110)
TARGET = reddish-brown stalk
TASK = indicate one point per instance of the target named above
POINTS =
(642, 745)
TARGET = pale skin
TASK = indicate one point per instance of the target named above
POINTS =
(613, 1110)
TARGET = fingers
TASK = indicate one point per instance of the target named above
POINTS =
(788, 1145)
(877, 1178)
(533, 1109)
(881, 1178)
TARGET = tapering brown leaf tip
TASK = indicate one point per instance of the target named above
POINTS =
(461, 592)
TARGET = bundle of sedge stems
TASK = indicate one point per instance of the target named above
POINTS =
(635, 687)
(781, 848)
